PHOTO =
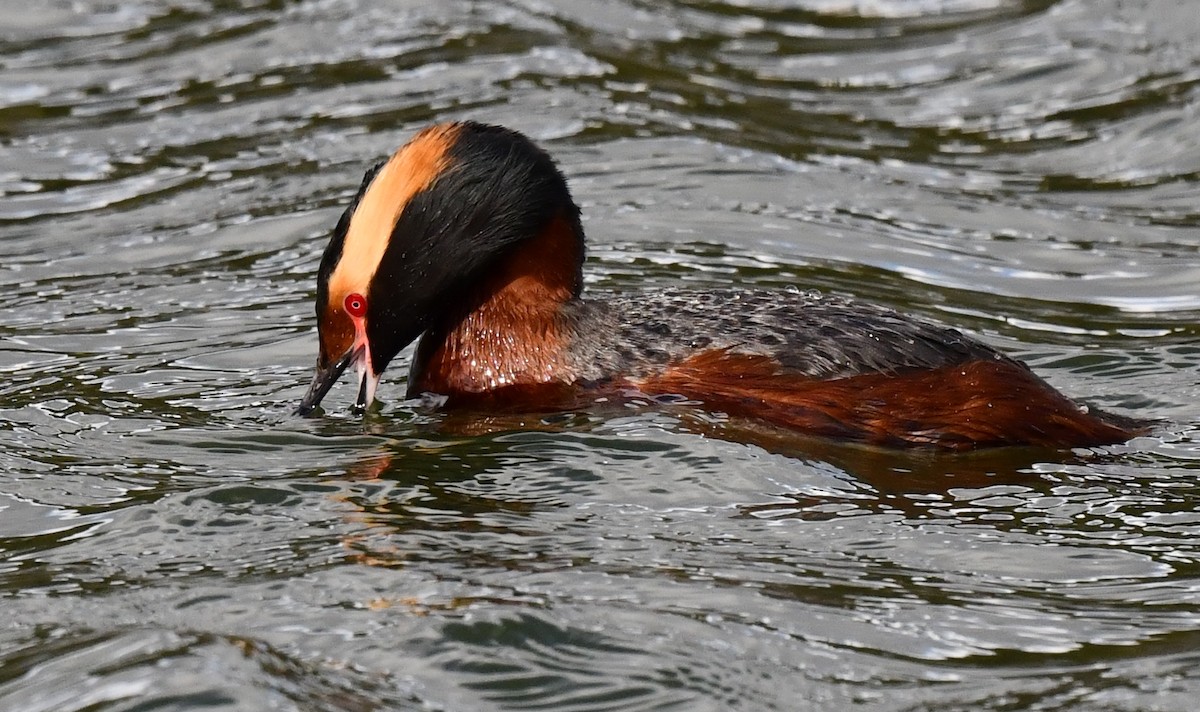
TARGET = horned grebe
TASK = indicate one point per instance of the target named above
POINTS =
(468, 238)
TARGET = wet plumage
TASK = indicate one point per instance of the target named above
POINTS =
(467, 241)
(809, 333)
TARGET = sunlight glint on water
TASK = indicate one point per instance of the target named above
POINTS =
(171, 537)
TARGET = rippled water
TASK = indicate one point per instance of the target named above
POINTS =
(172, 538)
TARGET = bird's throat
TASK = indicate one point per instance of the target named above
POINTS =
(509, 330)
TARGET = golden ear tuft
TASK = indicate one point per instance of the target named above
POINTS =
(409, 171)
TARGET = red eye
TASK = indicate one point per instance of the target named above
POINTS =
(356, 305)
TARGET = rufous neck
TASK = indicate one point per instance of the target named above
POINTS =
(508, 328)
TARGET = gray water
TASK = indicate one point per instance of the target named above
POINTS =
(172, 538)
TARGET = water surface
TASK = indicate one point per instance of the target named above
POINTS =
(172, 538)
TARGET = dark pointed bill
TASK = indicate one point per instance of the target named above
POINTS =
(360, 405)
(322, 381)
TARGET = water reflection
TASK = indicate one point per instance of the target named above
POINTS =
(1024, 170)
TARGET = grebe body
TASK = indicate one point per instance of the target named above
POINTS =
(467, 238)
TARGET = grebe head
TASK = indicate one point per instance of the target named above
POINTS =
(423, 229)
